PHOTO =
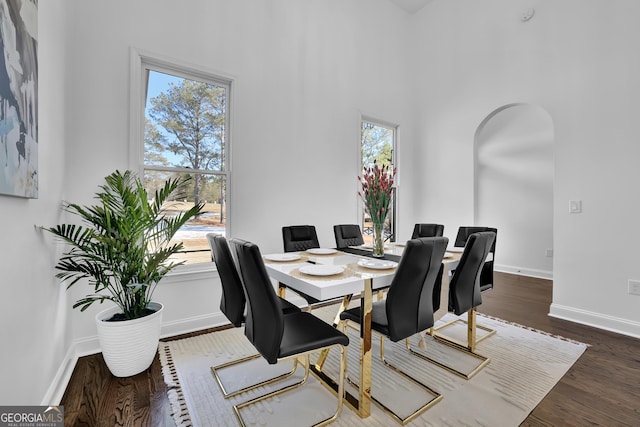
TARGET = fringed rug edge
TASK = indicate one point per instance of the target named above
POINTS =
(177, 401)
(529, 328)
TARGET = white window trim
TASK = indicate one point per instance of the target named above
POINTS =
(139, 59)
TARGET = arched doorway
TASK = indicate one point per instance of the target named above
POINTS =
(514, 168)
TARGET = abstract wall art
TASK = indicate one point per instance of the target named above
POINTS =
(19, 98)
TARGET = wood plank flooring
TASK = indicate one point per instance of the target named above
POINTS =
(601, 389)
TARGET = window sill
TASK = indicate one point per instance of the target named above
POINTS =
(191, 272)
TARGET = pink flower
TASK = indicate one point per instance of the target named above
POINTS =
(377, 189)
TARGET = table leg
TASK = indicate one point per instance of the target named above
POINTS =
(282, 290)
(366, 307)
(362, 403)
(324, 353)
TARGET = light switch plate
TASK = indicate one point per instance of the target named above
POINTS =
(634, 287)
(575, 206)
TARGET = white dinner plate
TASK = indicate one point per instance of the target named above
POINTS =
(454, 249)
(321, 269)
(448, 254)
(322, 251)
(283, 257)
(377, 264)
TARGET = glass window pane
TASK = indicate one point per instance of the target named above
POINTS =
(185, 123)
(377, 145)
(206, 187)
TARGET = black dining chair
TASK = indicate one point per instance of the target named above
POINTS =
(347, 235)
(464, 297)
(277, 335)
(427, 230)
(233, 304)
(296, 238)
(408, 308)
(486, 278)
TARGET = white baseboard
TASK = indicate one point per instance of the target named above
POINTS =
(596, 320)
(192, 324)
(523, 271)
(91, 345)
(56, 390)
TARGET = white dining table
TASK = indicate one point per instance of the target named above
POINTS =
(353, 280)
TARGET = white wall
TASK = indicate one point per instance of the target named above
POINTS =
(576, 59)
(33, 306)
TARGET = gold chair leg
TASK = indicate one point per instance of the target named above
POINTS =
(472, 327)
(437, 397)
(305, 359)
(469, 347)
(227, 394)
(471, 330)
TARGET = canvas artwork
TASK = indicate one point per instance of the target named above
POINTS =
(19, 98)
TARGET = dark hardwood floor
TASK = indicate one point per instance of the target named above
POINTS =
(601, 389)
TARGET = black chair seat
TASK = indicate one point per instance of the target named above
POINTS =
(304, 332)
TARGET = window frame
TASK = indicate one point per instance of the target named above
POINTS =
(141, 61)
(395, 128)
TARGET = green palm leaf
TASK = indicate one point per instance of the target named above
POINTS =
(123, 244)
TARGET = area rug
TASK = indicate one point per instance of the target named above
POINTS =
(525, 365)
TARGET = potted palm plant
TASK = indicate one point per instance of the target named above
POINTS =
(123, 247)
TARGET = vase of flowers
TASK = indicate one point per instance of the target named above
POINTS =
(376, 192)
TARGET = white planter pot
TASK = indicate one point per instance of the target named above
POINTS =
(129, 346)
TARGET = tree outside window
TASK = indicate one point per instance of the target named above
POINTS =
(186, 133)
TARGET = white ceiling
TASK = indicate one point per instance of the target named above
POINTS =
(411, 6)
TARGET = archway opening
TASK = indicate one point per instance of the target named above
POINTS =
(514, 169)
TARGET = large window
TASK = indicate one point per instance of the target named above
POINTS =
(185, 131)
(378, 144)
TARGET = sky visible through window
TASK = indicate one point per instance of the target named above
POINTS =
(158, 83)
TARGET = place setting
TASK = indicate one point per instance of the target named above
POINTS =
(373, 266)
(283, 257)
(321, 270)
(314, 271)
(322, 251)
